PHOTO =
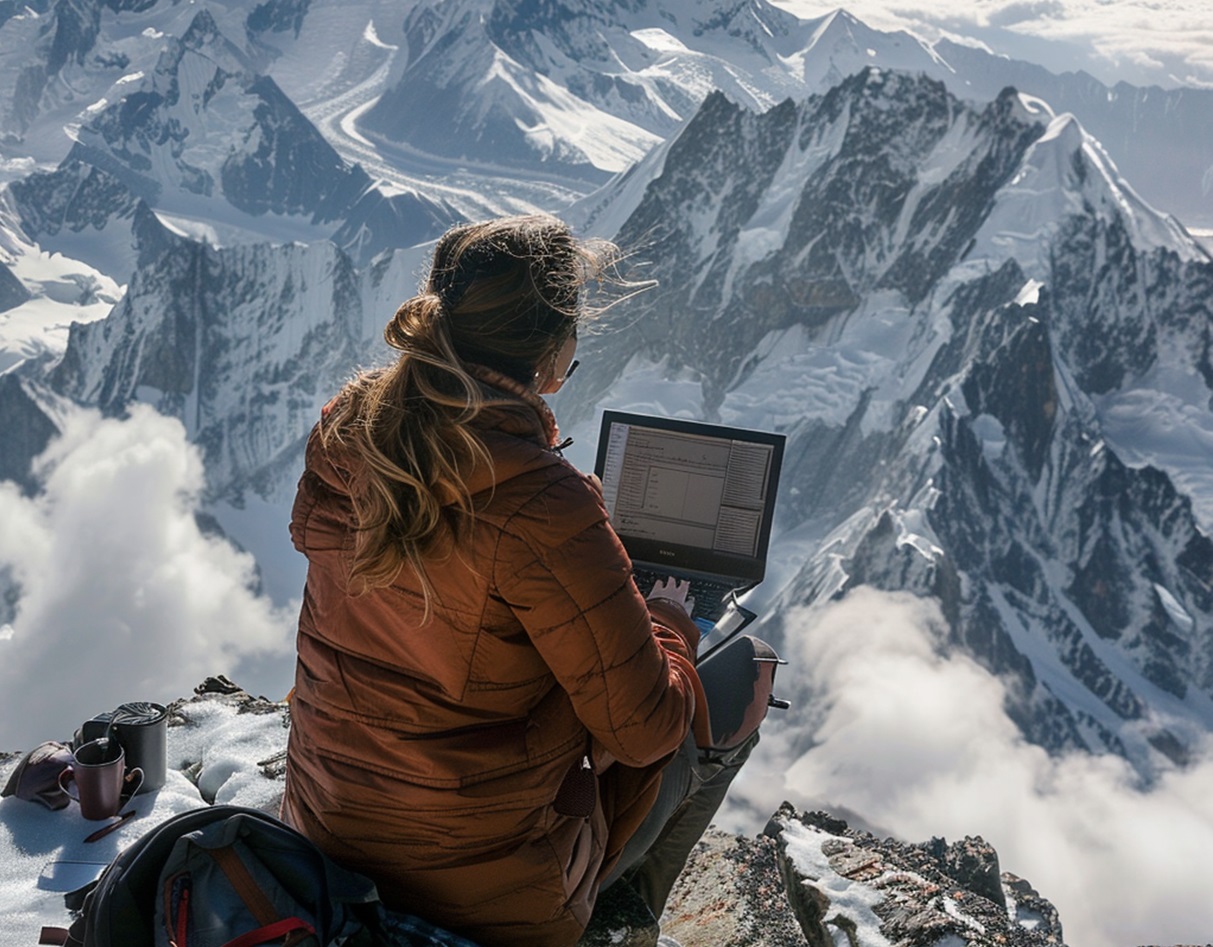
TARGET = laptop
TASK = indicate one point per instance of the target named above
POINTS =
(691, 500)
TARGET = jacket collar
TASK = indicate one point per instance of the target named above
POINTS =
(493, 379)
(517, 427)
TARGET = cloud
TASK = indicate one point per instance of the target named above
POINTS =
(1140, 41)
(916, 741)
(121, 595)
(1012, 13)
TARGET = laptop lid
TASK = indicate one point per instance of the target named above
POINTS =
(688, 496)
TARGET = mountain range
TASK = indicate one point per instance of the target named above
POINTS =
(957, 283)
(970, 307)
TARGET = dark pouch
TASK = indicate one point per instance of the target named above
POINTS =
(36, 777)
(578, 792)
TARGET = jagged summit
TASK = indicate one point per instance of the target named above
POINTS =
(170, 139)
(842, 44)
(204, 36)
(962, 302)
(634, 71)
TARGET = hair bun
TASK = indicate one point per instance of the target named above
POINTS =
(413, 325)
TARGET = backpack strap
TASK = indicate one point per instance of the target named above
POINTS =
(273, 932)
(259, 905)
(243, 884)
(64, 936)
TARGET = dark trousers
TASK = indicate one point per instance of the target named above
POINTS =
(693, 786)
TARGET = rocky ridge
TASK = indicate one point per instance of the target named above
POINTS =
(806, 878)
(806, 881)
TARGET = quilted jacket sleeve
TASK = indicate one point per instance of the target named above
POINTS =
(566, 576)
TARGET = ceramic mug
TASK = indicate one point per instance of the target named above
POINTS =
(102, 783)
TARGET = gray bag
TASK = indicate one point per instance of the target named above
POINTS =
(230, 876)
(259, 880)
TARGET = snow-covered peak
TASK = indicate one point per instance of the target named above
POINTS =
(1067, 172)
(204, 37)
(937, 293)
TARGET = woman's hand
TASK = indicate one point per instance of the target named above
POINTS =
(673, 590)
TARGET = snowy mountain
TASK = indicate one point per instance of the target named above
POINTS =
(916, 276)
(583, 89)
(203, 123)
(980, 343)
(243, 344)
(200, 133)
(539, 101)
(531, 79)
(908, 286)
(1139, 127)
(991, 355)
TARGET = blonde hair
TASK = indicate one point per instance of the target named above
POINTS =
(506, 294)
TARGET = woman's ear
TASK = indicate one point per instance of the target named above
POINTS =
(553, 371)
(543, 382)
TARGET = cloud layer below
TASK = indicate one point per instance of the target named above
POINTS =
(918, 744)
(121, 596)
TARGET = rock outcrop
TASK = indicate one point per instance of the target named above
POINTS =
(810, 881)
(806, 881)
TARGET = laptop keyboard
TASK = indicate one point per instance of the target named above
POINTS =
(709, 594)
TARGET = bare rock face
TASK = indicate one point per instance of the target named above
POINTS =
(913, 895)
(621, 919)
(732, 894)
(811, 881)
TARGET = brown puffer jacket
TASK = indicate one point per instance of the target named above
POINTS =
(429, 755)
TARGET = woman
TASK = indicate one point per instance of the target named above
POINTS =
(483, 701)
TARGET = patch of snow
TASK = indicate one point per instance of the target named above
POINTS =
(660, 40)
(36, 844)
(1030, 294)
(914, 531)
(1170, 603)
(854, 901)
(372, 36)
(1167, 427)
(990, 432)
(65, 291)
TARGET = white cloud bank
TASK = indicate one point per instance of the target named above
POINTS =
(122, 597)
(918, 743)
(1163, 42)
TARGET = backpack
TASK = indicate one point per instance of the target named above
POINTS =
(230, 876)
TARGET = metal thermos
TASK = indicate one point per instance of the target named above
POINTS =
(142, 729)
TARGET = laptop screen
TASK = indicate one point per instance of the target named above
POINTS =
(690, 496)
